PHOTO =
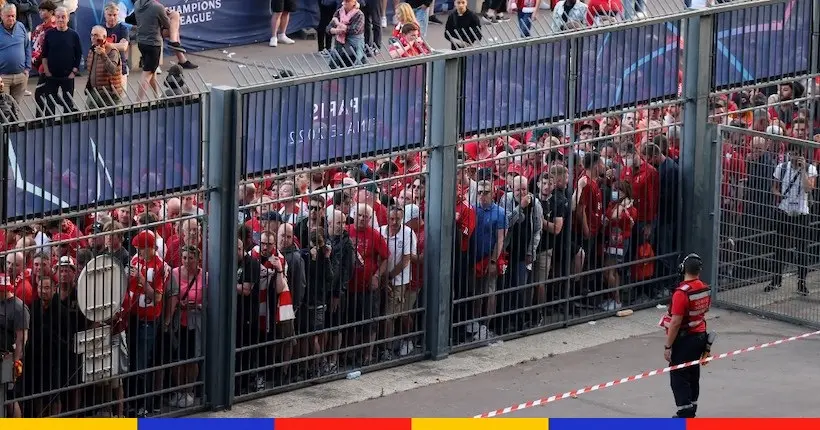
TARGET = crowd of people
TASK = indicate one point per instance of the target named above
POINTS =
(53, 51)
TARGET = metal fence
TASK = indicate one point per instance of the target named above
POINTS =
(373, 215)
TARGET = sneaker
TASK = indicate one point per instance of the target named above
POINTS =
(176, 46)
(435, 20)
(482, 334)
(610, 305)
(187, 400)
(274, 42)
(27, 92)
(384, 22)
(640, 15)
(260, 383)
(771, 287)
(174, 398)
(406, 349)
(487, 18)
(386, 355)
(159, 70)
(142, 413)
(502, 17)
(188, 65)
(802, 289)
(471, 328)
(285, 39)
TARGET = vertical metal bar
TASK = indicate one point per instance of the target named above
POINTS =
(814, 56)
(698, 183)
(442, 136)
(576, 46)
(222, 180)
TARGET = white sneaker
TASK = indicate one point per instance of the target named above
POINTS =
(273, 42)
(186, 401)
(472, 327)
(640, 15)
(406, 348)
(174, 399)
(384, 22)
(27, 92)
(159, 70)
(482, 334)
(285, 39)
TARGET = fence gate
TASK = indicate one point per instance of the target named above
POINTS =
(768, 246)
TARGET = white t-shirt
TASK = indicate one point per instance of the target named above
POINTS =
(795, 198)
(403, 243)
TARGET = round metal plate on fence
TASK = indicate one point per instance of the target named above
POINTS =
(100, 288)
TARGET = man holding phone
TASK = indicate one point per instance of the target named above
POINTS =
(794, 180)
(104, 86)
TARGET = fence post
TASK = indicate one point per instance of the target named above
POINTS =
(222, 176)
(697, 157)
(814, 55)
(442, 136)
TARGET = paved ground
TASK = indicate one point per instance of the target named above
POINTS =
(497, 376)
(740, 387)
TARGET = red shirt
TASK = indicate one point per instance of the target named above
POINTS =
(381, 213)
(619, 228)
(371, 248)
(691, 301)
(592, 199)
(646, 190)
(603, 7)
(156, 273)
(465, 224)
(734, 171)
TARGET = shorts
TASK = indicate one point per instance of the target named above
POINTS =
(543, 263)
(362, 306)
(310, 319)
(400, 299)
(279, 6)
(150, 57)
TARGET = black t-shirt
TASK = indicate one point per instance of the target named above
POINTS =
(116, 34)
(555, 206)
(521, 235)
(247, 307)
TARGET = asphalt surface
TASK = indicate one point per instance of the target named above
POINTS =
(777, 382)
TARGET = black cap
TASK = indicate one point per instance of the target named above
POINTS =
(271, 216)
(97, 227)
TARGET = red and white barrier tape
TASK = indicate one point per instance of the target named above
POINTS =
(555, 398)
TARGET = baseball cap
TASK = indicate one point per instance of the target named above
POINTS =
(67, 261)
(144, 240)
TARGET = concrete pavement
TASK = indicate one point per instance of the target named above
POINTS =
(525, 369)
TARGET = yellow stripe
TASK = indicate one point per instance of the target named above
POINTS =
(69, 424)
(480, 424)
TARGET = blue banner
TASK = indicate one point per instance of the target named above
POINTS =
(514, 87)
(95, 161)
(324, 121)
(762, 42)
(628, 66)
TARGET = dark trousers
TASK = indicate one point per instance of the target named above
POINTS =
(793, 231)
(372, 24)
(323, 38)
(247, 361)
(686, 382)
(47, 97)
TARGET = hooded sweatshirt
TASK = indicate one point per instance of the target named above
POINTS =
(151, 19)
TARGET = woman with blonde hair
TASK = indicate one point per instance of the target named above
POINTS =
(404, 15)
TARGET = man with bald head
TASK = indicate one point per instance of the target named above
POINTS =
(20, 277)
(525, 217)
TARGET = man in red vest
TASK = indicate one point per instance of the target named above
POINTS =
(686, 338)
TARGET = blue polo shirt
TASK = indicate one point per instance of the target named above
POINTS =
(488, 221)
(15, 50)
